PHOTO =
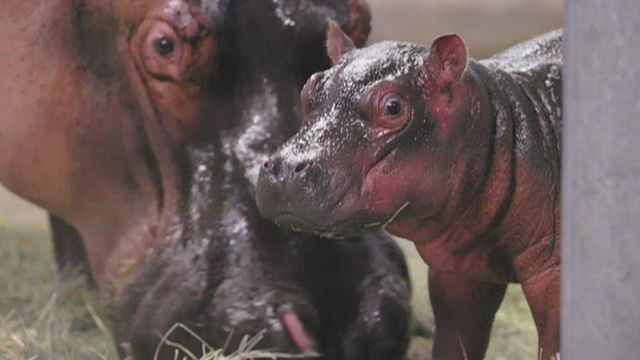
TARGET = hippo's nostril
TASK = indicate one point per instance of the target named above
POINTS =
(272, 166)
(302, 167)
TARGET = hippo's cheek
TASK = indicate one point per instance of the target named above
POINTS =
(397, 184)
(386, 187)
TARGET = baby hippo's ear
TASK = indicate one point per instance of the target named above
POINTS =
(447, 59)
(338, 43)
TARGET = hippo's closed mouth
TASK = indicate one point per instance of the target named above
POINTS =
(300, 224)
(296, 222)
(379, 225)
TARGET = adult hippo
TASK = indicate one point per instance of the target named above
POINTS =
(142, 124)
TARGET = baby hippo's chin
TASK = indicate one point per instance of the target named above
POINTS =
(349, 226)
(344, 225)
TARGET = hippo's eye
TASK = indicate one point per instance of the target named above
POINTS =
(162, 51)
(393, 107)
(388, 107)
(168, 52)
(164, 45)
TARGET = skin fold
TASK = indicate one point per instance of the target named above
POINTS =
(460, 156)
(141, 125)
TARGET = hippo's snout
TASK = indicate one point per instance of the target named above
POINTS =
(277, 316)
(287, 331)
(299, 193)
(282, 183)
(285, 319)
(284, 329)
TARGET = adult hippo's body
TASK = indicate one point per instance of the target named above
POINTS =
(143, 124)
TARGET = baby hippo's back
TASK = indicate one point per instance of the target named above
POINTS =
(542, 50)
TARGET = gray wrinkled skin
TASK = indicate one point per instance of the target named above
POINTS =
(532, 88)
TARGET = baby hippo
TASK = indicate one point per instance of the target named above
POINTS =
(462, 157)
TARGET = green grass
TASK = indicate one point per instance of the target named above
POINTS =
(42, 318)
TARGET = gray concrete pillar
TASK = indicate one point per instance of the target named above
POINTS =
(601, 181)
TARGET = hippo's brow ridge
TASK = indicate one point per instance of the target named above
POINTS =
(215, 10)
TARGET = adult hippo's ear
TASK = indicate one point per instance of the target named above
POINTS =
(360, 22)
(358, 30)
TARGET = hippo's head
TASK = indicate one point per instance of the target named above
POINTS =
(381, 141)
(185, 56)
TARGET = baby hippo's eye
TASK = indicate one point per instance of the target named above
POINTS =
(393, 107)
(389, 108)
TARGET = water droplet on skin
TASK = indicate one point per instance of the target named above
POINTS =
(283, 14)
(257, 135)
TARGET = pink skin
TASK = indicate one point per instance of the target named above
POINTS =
(296, 331)
(438, 222)
(388, 186)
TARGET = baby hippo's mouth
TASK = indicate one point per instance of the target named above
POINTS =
(339, 230)
(300, 224)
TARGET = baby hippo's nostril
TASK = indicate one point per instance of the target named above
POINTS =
(302, 167)
(272, 166)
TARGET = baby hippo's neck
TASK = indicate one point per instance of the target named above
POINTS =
(506, 208)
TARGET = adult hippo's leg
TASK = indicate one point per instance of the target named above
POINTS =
(464, 311)
(362, 289)
(70, 254)
(380, 330)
